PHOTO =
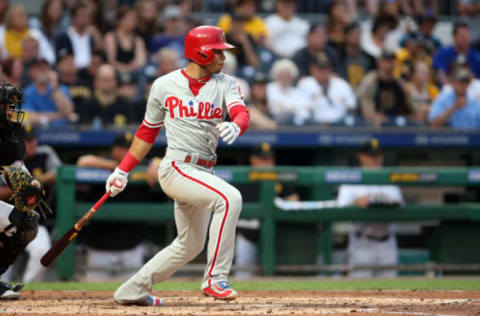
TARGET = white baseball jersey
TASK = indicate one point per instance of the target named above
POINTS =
(348, 193)
(190, 120)
(363, 251)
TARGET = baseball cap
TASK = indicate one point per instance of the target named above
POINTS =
(370, 147)
(322, 60)
(123, 140)
(260, 77)
(264, 150)
(461, 74)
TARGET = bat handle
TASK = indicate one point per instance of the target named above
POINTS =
(78, 226)
(101, 201)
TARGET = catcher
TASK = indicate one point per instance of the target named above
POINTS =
(18, 222)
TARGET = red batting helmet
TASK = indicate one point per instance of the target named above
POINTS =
(201, 41)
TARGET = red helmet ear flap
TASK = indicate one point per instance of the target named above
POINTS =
(207, 57)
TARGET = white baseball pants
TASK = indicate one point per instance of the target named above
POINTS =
(198, 194)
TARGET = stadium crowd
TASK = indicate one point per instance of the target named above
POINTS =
(90, 64)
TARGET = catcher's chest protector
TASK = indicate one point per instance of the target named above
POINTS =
(12, 145)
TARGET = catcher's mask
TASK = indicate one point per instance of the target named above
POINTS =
(11, 100)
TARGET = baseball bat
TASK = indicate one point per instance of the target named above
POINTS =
(66, 239)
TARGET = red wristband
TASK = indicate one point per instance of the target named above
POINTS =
(239, 114)
(128, 163)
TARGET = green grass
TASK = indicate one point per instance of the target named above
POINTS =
(316, 284)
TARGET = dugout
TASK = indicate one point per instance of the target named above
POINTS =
(288, 251)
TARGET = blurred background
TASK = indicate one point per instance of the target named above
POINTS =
(387, 88)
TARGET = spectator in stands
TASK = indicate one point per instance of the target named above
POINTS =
(88, 74)
(230, 68)
(473, 90)
(42, 162)
(287, 32)
(426, 24)
(316, 43)
(77, 40)
(98, 25)
(125, 49)
(381, 95)
(461, 48)
(117, 253)
(330, 97)
(16, 30)
(13, 70)
(168, 60)
(173, 35)
(29, 56)
(401, 25)
(470, 9)
(251, 22)
(414, 51)
(4, 6)
(371, 243)
(371, 6)
(421, 92)
(246, 248)
(79, 89)
(257, 104)
(52, 20)
(286, 102)
(456, 108)
(338, 19)
(416, 7)
(105, 106)
(356, 62)
(146, 20)
(47, 103)
(375, 42)
(245, 45)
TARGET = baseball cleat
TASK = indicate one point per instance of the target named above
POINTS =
(9, 293)
(17, 287)
(150, 300)
(220, 290)
(153, 301)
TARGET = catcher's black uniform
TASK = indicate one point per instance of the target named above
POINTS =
(17, 228)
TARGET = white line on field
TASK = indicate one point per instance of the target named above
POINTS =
(367, 310)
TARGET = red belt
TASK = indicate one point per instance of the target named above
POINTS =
(201, 162)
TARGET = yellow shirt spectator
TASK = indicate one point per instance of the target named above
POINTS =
(405, 61)
(13, 42)
(253, 26)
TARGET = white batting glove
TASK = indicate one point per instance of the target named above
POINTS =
(229, 131)
(116, 182)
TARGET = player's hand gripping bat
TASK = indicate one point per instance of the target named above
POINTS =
(63, 243)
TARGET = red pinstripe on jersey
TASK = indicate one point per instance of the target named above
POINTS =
(223, 220)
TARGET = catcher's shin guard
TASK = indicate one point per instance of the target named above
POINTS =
(12, 246)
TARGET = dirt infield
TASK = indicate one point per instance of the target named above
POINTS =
(252, 303)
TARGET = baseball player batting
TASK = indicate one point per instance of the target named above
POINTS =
(191, 104)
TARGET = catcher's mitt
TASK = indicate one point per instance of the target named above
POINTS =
(28, 193)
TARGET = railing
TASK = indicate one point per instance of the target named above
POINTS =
(320, 179)
(307, 137)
